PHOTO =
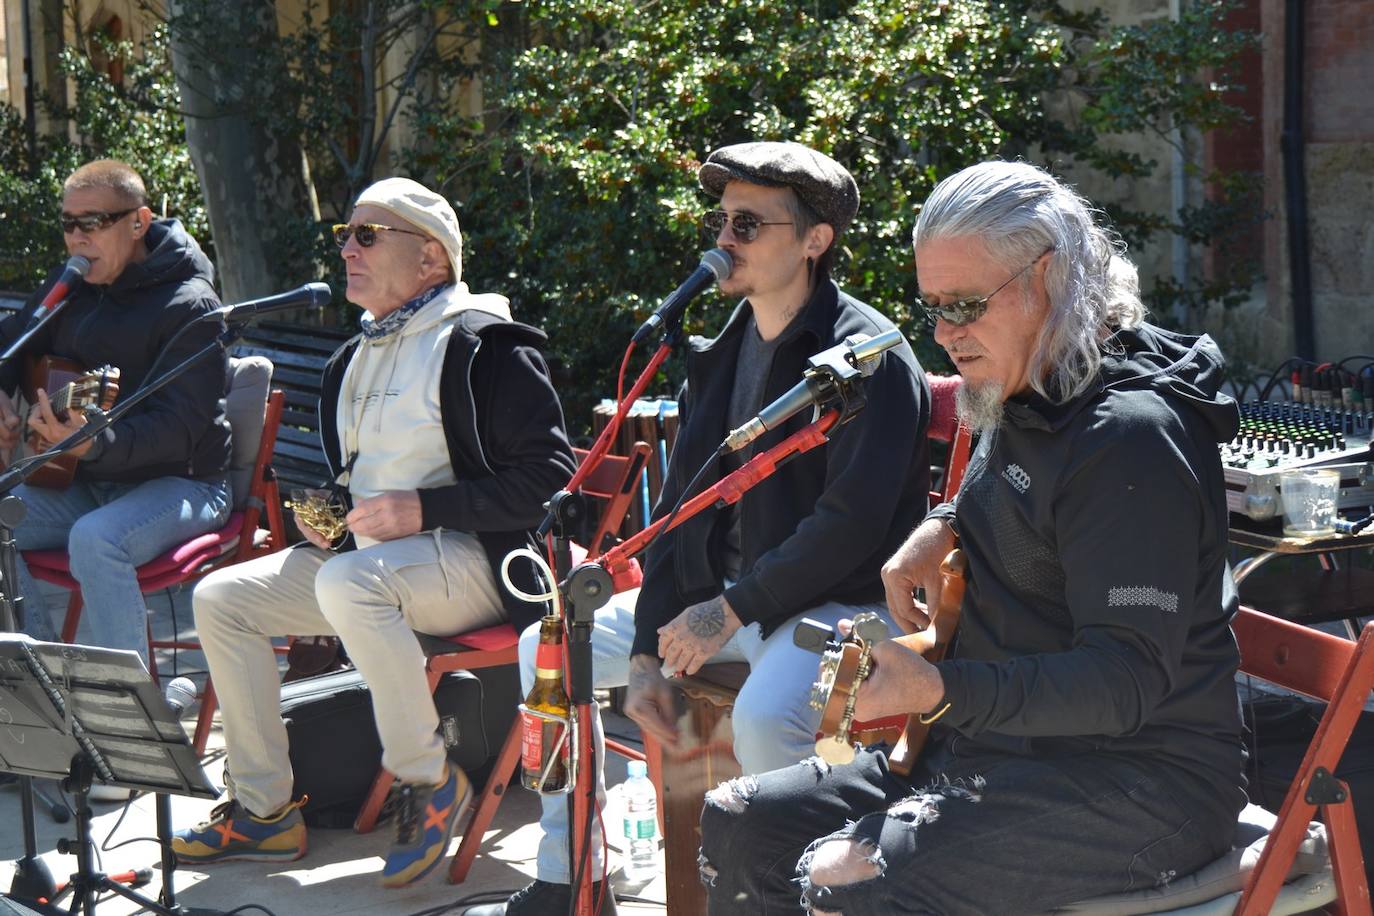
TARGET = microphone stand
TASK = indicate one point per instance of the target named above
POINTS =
(32, 878)
(591, 583)
(566, 508)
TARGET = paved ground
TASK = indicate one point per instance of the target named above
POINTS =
(337, 877)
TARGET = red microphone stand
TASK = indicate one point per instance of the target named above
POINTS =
(588, 586)
(566, 509)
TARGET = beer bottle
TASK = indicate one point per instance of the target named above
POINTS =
(540, 737)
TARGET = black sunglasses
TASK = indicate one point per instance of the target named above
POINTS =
(92, 222)
(366, 233)
(966, 311)
(745, 226)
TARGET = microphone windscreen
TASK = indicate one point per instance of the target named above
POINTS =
(180, 693)
(719, 262)
(78, 264)
(320, 295)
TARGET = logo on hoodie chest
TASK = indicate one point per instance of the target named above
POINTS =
(1016, 475)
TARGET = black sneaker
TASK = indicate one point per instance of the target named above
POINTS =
(543, 898)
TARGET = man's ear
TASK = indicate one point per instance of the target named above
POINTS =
(433, 257)
(818, 239)
(143, 218)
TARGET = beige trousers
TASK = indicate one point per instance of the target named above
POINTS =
(436, 582)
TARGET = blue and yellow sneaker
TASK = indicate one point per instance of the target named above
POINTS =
(425, 816)
(234, 832)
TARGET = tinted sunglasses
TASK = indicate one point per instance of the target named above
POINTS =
(92, 222)
(965, 311)
(745, 226)
(366, 233)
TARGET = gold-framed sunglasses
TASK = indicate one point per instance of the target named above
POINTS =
(366, 233)
(745, 226)
(92, 222)
(966, 311)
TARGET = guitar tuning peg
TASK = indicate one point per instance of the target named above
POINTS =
(870, 627)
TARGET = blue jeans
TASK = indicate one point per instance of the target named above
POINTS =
(109, 529)
(987, 833)
(773, 723)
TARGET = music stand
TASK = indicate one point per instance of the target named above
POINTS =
(86, 714)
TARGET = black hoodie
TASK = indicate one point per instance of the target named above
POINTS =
(181, 431)
(1099, 595)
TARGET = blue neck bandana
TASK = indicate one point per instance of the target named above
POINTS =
(375, 329)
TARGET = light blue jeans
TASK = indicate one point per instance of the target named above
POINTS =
(109, 529)
(774, 725)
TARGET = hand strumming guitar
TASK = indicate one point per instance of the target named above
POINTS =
(916, 564)
(51, 430)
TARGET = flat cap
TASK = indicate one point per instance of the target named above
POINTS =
(821, 182)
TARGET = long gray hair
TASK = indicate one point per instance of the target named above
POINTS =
(1019, 212)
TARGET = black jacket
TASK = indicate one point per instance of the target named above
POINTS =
(181, 431)
(506, 442)
(1099, 595)
(820, 528)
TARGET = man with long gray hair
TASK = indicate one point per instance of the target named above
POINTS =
(1087, 736)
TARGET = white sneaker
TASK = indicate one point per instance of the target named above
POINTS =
(101, 792)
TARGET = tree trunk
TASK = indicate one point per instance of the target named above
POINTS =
(262, 206)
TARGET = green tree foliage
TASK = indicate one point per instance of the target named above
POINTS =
(576, 182)
(136, 120)
(579, 193)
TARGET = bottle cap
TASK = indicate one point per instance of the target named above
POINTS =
(637, 768)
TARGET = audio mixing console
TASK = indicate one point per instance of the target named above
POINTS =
(1278, 436)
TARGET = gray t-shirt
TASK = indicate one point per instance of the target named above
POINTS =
(746, 400)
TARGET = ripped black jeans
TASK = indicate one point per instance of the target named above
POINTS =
(986, 835)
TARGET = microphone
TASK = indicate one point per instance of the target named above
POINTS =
(180, 693)
(715, 266)
(73, 271)
(858, 356)
(311, 295)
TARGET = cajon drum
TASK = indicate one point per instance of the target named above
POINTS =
(703, 759)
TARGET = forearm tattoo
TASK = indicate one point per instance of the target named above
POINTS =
(707, 619)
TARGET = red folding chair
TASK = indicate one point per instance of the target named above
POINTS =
(254, 417)
(1340, 673)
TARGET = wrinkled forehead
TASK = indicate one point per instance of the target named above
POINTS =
(955, 266)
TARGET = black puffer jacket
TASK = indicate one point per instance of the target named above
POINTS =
(180, 431)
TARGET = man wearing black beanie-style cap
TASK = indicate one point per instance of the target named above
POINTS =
(731, 584)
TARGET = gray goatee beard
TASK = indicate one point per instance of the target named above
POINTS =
(980, 406)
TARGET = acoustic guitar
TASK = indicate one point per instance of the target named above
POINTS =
(847, 663)
(69, 387)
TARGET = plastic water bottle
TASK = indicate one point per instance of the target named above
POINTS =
(641, 824)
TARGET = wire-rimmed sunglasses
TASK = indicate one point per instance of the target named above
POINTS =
(92, 222)
(366, 233)
(745, 226)
(966, 311)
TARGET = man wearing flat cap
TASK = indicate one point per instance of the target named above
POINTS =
(443, 429)
(731, 584)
